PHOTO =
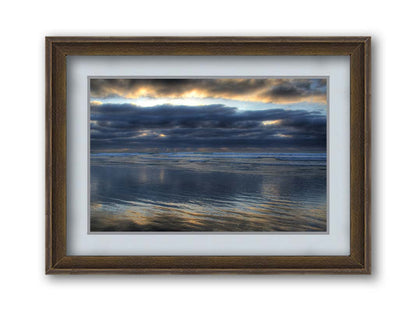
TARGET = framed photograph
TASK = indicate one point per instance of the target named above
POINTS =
(208, 155)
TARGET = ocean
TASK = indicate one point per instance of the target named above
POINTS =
(208, 192)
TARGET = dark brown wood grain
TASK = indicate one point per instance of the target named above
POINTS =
(358, 48)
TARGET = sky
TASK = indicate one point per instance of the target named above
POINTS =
(208, 115)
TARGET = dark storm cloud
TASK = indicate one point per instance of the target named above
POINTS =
(262, 90)
(292, 88)
(132, 128)
(167, 87)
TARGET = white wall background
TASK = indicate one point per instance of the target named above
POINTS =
(25, 287)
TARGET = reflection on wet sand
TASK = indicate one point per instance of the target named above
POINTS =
(221, 194)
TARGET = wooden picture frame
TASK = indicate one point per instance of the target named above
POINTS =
(58, 48)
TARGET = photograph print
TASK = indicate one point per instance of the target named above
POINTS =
(205, 154)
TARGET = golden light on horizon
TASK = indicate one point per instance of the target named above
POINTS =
(194, 93)
(141, 92)
(96, 102)
(272, 122)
